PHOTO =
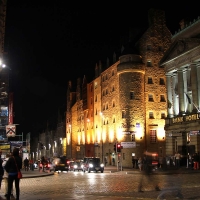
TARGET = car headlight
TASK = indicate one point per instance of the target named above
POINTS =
(75, 166)
(90, 165)
(102, 165)
(82, 166)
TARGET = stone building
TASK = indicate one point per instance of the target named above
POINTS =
(182, 68)
(126, 103)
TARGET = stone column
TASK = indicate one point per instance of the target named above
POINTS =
(175, 94)
(181, 91)
(169, 96)
(194, 86)
(198, 85)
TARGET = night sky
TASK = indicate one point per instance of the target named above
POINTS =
(49, 43)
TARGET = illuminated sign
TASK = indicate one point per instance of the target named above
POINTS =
(186, 118)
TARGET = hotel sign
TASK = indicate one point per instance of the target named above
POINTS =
(186, 118)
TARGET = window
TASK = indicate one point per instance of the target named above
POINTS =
(160, 48)
(123, 114)
(113, 73)
(132, 95)
(96, 112)
(91, 100)
(162, 82)
(113, 120)
(133, 137)
(163, 115)
(153, 136)
(96, 98)
(113, 88)
(113, 104)
(149, 47)
(106, 91)
(151, 115)
(162, 98)
(149, 63)
(107, 106)
(150, 80)
(150, 97)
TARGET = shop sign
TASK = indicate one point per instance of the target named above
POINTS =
(127, 145)
(186, 118)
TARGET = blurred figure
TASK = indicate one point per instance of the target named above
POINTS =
(12, 166)
(177, 159)
(140, 163)
(147, 173)
(26, 164)
(5, 177)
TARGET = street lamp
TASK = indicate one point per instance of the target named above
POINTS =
(101, 114)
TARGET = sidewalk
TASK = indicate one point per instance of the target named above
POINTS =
(113, 169)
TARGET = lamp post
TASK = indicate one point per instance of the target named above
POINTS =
(101, 114)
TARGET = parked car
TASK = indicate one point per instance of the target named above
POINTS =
(60, 164)
(93, 164)
(78, 165)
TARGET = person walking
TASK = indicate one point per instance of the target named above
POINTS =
(177, 159)
(12, 166)
(5, 177)
(140, 163)
(26, 164)
(147, 170)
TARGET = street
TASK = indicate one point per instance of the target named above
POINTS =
(112, 186)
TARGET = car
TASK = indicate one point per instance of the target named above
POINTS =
(93, 164)
(60, 164)
(71, 165)
(78, 165)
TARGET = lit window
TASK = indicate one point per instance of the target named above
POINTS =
(153, 136)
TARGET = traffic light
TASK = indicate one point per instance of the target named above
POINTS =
(118, 147)
(115, 147)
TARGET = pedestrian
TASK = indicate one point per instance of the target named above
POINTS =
(105, 161)
(177, 159)
(140, 163)
(147, 173)
(1, 169)
(133, 161)
(12, 166)
(26, 164)
(5, 177)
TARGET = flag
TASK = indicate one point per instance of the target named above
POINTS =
(189, 100)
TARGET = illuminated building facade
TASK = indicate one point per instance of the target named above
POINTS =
(126, 102)
(6, 98)
(182, 68)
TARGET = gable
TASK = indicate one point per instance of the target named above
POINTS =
(179, 48)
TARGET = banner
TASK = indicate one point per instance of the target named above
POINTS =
(10, 130)
(10, 109)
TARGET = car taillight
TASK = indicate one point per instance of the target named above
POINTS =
(40, 165)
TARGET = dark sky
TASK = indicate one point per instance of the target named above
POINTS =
(50, 42)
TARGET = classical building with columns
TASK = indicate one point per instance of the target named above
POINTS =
(126, 102)
(182, 70)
